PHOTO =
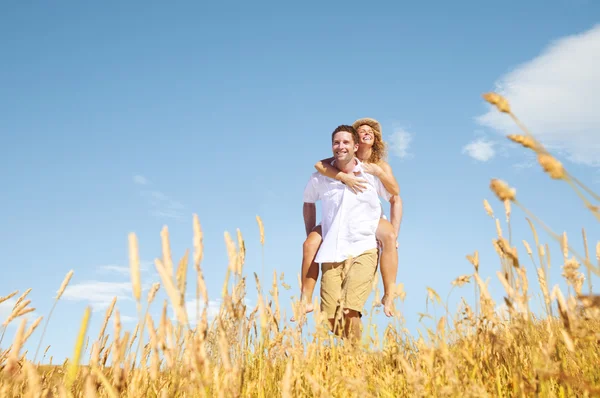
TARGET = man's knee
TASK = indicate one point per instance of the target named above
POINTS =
(350, 314)
(353, 325)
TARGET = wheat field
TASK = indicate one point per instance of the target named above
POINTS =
(255, 352)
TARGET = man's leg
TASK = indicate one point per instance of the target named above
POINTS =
(389, 263)
(331, 291)
(352, 326)
(356, 288)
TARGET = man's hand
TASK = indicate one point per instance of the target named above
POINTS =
(388, 305)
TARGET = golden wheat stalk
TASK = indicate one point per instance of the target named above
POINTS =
(504, 192)
(13, 357)
(549, 164)
(22, 297)
(556, 237)
(32, 328)
(107, 316)
(587, 258)
(74, 364)
(261, 230)
(167, 259)
(60, 292)
(11, 295)
(134, 267)
(198, 243)
(172, 292)
(34, 382)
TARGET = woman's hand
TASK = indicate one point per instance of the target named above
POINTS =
(354, 183)
(372, 168)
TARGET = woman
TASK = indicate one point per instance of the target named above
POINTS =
(371, 151)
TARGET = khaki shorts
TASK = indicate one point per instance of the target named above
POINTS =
(348, 283)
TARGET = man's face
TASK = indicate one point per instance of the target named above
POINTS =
(343, 146)
(365, 132)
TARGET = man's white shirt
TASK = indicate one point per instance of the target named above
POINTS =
(348, 220)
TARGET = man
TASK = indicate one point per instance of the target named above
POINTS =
(349, 222)
(372, 152)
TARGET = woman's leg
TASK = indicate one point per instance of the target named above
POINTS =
(310, 269)
(389, 263)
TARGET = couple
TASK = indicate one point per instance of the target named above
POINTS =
(349, 185)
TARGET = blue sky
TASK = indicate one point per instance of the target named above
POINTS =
(127, 117)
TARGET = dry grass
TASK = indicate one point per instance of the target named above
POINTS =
(254, 352)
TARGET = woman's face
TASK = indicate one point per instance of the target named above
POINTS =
(365, 132)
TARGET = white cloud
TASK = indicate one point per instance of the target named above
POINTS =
(97, 293)
(480, 149)
(399, 143)
(161, 205)
(140, 180)
(214, 306)
(114, 269)
(529, 161)
(164, 206)
(123, 270)
(556, 96)
(6, 309)
(212, 311)
(128, 319)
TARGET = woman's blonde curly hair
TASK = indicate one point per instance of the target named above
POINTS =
(379, 148)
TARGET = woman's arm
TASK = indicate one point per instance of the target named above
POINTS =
(396, 210)
(383, 171)
(325, 168)
(388, 179)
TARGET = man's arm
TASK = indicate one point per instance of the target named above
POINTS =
(309, 211)
(325, 168)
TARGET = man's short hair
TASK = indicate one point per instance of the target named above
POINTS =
(348, 129)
